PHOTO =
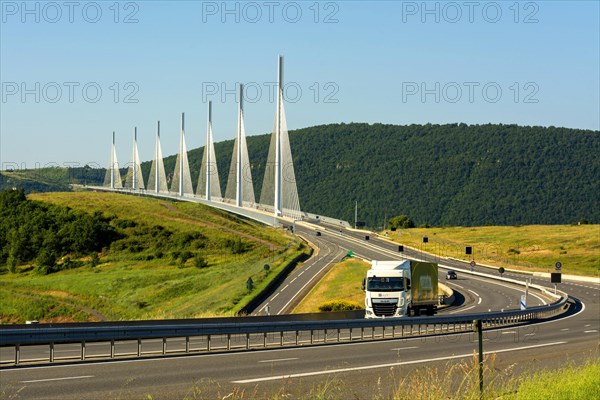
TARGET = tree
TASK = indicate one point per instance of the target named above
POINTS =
(401, 221)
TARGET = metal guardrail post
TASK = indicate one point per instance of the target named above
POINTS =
(297, 335)
(17, 354)
(247, 341)
(112, 348)
(311, 336)
(383, 332)
(208, 343)
(325, 337)
(82, 350)
(350, 334)
(362, 333)
(51, 351)
(265, 339)
(372, 332)
(164, 345)
(139, 347)
(281, 338)
(229, 341)
(187, 344)
(338, 335)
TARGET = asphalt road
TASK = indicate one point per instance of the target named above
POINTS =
(355, 369)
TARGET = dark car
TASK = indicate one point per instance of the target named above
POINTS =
(318, 233)
(451, 275)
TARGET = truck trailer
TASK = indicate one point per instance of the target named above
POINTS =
(401, 288)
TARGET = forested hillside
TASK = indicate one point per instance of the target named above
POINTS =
(453, 174)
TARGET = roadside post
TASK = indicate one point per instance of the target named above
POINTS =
(477, 327)
(473, 264)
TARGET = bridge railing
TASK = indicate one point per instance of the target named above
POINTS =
(197, 337)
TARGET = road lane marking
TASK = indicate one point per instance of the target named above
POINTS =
(278, 360)
(592, 331)
(305, 285)
(59, 379)
(506, 333)
(388, 365)
(292, 281)
(404, 348)
(564, 329)
(285, 287)
(454, 284)
(461, 310)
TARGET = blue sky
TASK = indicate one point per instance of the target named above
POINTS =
(73, 74)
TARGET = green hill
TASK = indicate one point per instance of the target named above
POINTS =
(94, 256)
(453, 174)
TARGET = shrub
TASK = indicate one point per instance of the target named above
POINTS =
(200, 262)
(340, 305)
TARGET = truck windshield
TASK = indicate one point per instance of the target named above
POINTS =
(385, 284)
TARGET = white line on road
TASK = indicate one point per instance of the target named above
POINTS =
(285, 287)
(592, 331)
(59, 379)
(507, 332)
(404, 348)
(461, 310)
(454, 284)
(564, 329)
(305, 285)
(280, 359)
(389, 365)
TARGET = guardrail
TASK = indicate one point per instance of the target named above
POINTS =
(249, 335)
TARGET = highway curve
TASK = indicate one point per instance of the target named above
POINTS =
(360, 369)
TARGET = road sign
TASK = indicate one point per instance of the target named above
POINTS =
(558, 265)
(473, 264)
(523, 302)
(555, 277)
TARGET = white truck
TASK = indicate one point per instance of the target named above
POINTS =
(399, 288)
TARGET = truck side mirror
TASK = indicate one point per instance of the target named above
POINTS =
(363, 284)
(407, 284)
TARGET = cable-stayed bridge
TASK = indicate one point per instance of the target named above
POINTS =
(279, 193)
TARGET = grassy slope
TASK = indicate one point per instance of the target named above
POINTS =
(341, 283)
(125, 287)
(530, 247)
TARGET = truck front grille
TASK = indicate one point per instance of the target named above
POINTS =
(385, 309)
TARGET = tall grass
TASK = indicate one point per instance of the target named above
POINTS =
(529, 247)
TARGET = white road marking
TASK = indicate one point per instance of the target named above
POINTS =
(506, 333)
(464, 309)
(564, 329)
(388, 365)
(285, 287)
(404, 348)
(454, 284)
(273, 298)
(592, 331)
(59, 379)
(280, 359)
(292, 281)
(305, 285)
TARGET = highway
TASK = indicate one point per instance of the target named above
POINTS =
(355, 368)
